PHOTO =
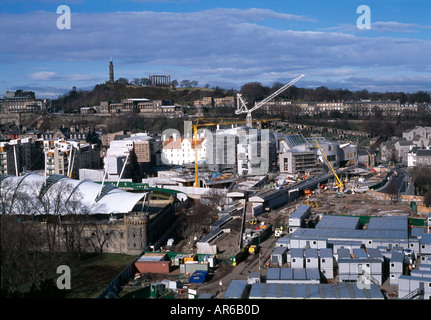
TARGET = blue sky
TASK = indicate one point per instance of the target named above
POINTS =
(224, 43)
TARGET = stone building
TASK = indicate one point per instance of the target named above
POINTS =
(21, 102)
(93, 219)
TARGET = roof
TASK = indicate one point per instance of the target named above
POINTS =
(426, 238)
(311, 253)
(388, 223)
(302, 209)
(293, 274)
(267, 194)
(172, 143)
(423, 153)
(397, 256)
(345, 290)
(236, 289)
(338, 222)
(326, 253)
(348, 234)
(91, 196)
(295, 140)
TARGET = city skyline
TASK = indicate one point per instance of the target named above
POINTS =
(222, 43)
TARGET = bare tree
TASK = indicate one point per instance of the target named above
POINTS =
(215, 198)
(50, 203)
(101, 236)
(421, 176)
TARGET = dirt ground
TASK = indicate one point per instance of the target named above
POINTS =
(358, 204)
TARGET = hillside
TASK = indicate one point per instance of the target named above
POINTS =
(73, 100)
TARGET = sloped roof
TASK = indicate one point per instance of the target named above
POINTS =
(172, 143)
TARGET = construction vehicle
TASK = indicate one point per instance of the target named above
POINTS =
(340, 184)
(243, 108)
(311, 203)
(253, 249)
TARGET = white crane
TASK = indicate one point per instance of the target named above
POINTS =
(243, 108)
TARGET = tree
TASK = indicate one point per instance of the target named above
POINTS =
(144, 82)
(427, 198)
(21, 240)
(254, 91)
(100, 236)
(421, 176)
(185, 83)
(122, 81)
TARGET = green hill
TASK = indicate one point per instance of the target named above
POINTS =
(75, 99)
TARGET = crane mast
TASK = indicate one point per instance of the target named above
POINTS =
(340, 185)
(243, 108)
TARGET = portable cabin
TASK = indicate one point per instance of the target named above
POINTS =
(425, 244)
(297, 258)
(311, 258)
(278, 256)
(326, 261)
(297, 217)
(396, 267)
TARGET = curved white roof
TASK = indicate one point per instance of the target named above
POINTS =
(33, 189)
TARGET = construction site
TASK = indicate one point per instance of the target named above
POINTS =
(370, 211)
(251, 224)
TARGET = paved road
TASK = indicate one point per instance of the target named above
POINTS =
(227, 273)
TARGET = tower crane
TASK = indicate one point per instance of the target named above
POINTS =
(243, 108)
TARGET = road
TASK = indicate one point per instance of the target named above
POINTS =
(226, 273)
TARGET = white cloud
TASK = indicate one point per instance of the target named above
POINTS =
(43, 76)
(54, 76)
(227, 45)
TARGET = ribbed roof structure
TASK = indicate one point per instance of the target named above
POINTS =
(58, 195)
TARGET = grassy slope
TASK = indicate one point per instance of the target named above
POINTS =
(91, 275)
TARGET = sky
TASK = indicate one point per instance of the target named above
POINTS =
(216, 42)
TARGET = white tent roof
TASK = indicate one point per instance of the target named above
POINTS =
(110, 199)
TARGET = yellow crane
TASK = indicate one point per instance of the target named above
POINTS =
(340, 184)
